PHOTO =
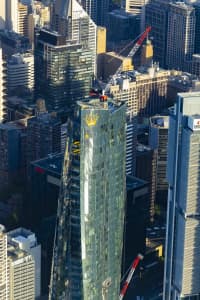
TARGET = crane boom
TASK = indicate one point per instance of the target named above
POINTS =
(130, 275)
(131, 54)
(139, 42)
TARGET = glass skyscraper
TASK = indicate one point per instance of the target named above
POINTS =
(97, 10)
(89, 231)
(63, 71)
(182, 268)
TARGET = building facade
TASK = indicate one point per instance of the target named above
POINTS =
(12, 15)
(182, 271)
(156, 16)
(97, 10)
(71, 20)
(43, 136)
(12, 152)
(158, 139)
(63, 72)
(2, 89)
(20, 74)
(181, 18)
(145, 94)
(3, 264)
(122, 25)
(89, 232)
(23, 19)
(3, 15)
(197, 28)
(146, 164)
(23, 240)
(20, 257)
(21, 275)
(134, 6)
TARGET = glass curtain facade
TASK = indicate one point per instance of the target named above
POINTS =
(182, 270)
(62, 73)
(89, 234)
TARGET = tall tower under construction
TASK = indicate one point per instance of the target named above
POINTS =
(89, 230)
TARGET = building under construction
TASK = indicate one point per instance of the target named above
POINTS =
(89, 230)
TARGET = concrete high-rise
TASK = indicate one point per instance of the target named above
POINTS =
(89, 231)
(145, 95)
(182, 269)
(23, 19)
(43, 135)
(12, 15)
(158, 139)
(19, 265)
(20, 74)
(21, 275)
(3, 15)
(3, 264)
(156, 16)
(180, 35)
(134, 6)
(2, 89)
(24, 270)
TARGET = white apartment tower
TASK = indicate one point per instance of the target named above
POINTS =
(21, 275)
(12, 15)
(2, 88)
(134, 6)
(3, 264)
(3, 14)
(23, 19)
(24, 240)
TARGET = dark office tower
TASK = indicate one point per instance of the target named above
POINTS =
(156, 15)
(43, 135)
(197, 28)
(158, 138)
(180, 35)
(97, 10)
(89, 232)
(146, 161)
(63, 72)
(182, 268)
(137, 214)
(12, 152)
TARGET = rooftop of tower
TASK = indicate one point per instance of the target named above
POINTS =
(63, 7)
(182, 5)
(160, 121)
(102, 102)
(16, 254)
(50, 164)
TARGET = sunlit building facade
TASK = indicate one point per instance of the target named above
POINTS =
(182, 269)
(89, 231)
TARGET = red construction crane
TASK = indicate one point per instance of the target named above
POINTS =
(139, 42)
(131, 54)
(130, 275)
